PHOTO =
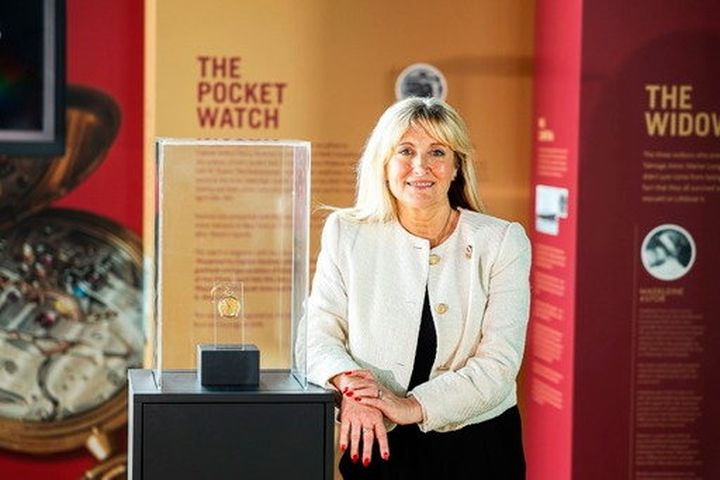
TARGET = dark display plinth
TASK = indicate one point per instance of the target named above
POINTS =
(185, 431)
(228, 365)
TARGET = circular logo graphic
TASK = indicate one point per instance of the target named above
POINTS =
(668, 252)
(421, 80)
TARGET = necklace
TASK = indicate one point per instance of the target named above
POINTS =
(444, 232)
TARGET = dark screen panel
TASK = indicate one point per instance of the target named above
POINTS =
(32, 77)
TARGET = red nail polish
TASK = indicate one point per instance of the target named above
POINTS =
(345, 389)
(366, 462)
(348, 372)
(349, 393)
(386, 455)
(357, 399)
(355, 458)
(343, 447)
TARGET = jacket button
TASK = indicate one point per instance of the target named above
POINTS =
(434, 259)
(441, 308)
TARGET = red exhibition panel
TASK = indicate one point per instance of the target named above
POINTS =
(644, 254)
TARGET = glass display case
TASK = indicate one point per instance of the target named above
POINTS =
(231, 251)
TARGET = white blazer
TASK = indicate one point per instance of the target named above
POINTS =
(367, 299)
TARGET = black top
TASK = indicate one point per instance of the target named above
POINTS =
(426, 347)
(491, 450)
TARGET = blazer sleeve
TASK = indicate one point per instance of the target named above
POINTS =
(489, 376)
(327, 327)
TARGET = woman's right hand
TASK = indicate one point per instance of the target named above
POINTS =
(358, 383)
(362, 422)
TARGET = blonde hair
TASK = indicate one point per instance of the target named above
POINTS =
(373, 200)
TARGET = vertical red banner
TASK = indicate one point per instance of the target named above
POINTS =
(549, 362)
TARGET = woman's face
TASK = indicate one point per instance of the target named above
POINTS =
(420, 170)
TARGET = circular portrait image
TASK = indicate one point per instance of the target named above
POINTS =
(668, 252)
(421, 80)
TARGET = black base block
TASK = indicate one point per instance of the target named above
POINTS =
(228, 365)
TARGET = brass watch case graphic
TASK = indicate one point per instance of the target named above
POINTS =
(29, 184)
(70, 297)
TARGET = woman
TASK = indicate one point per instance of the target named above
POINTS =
(419, 309)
